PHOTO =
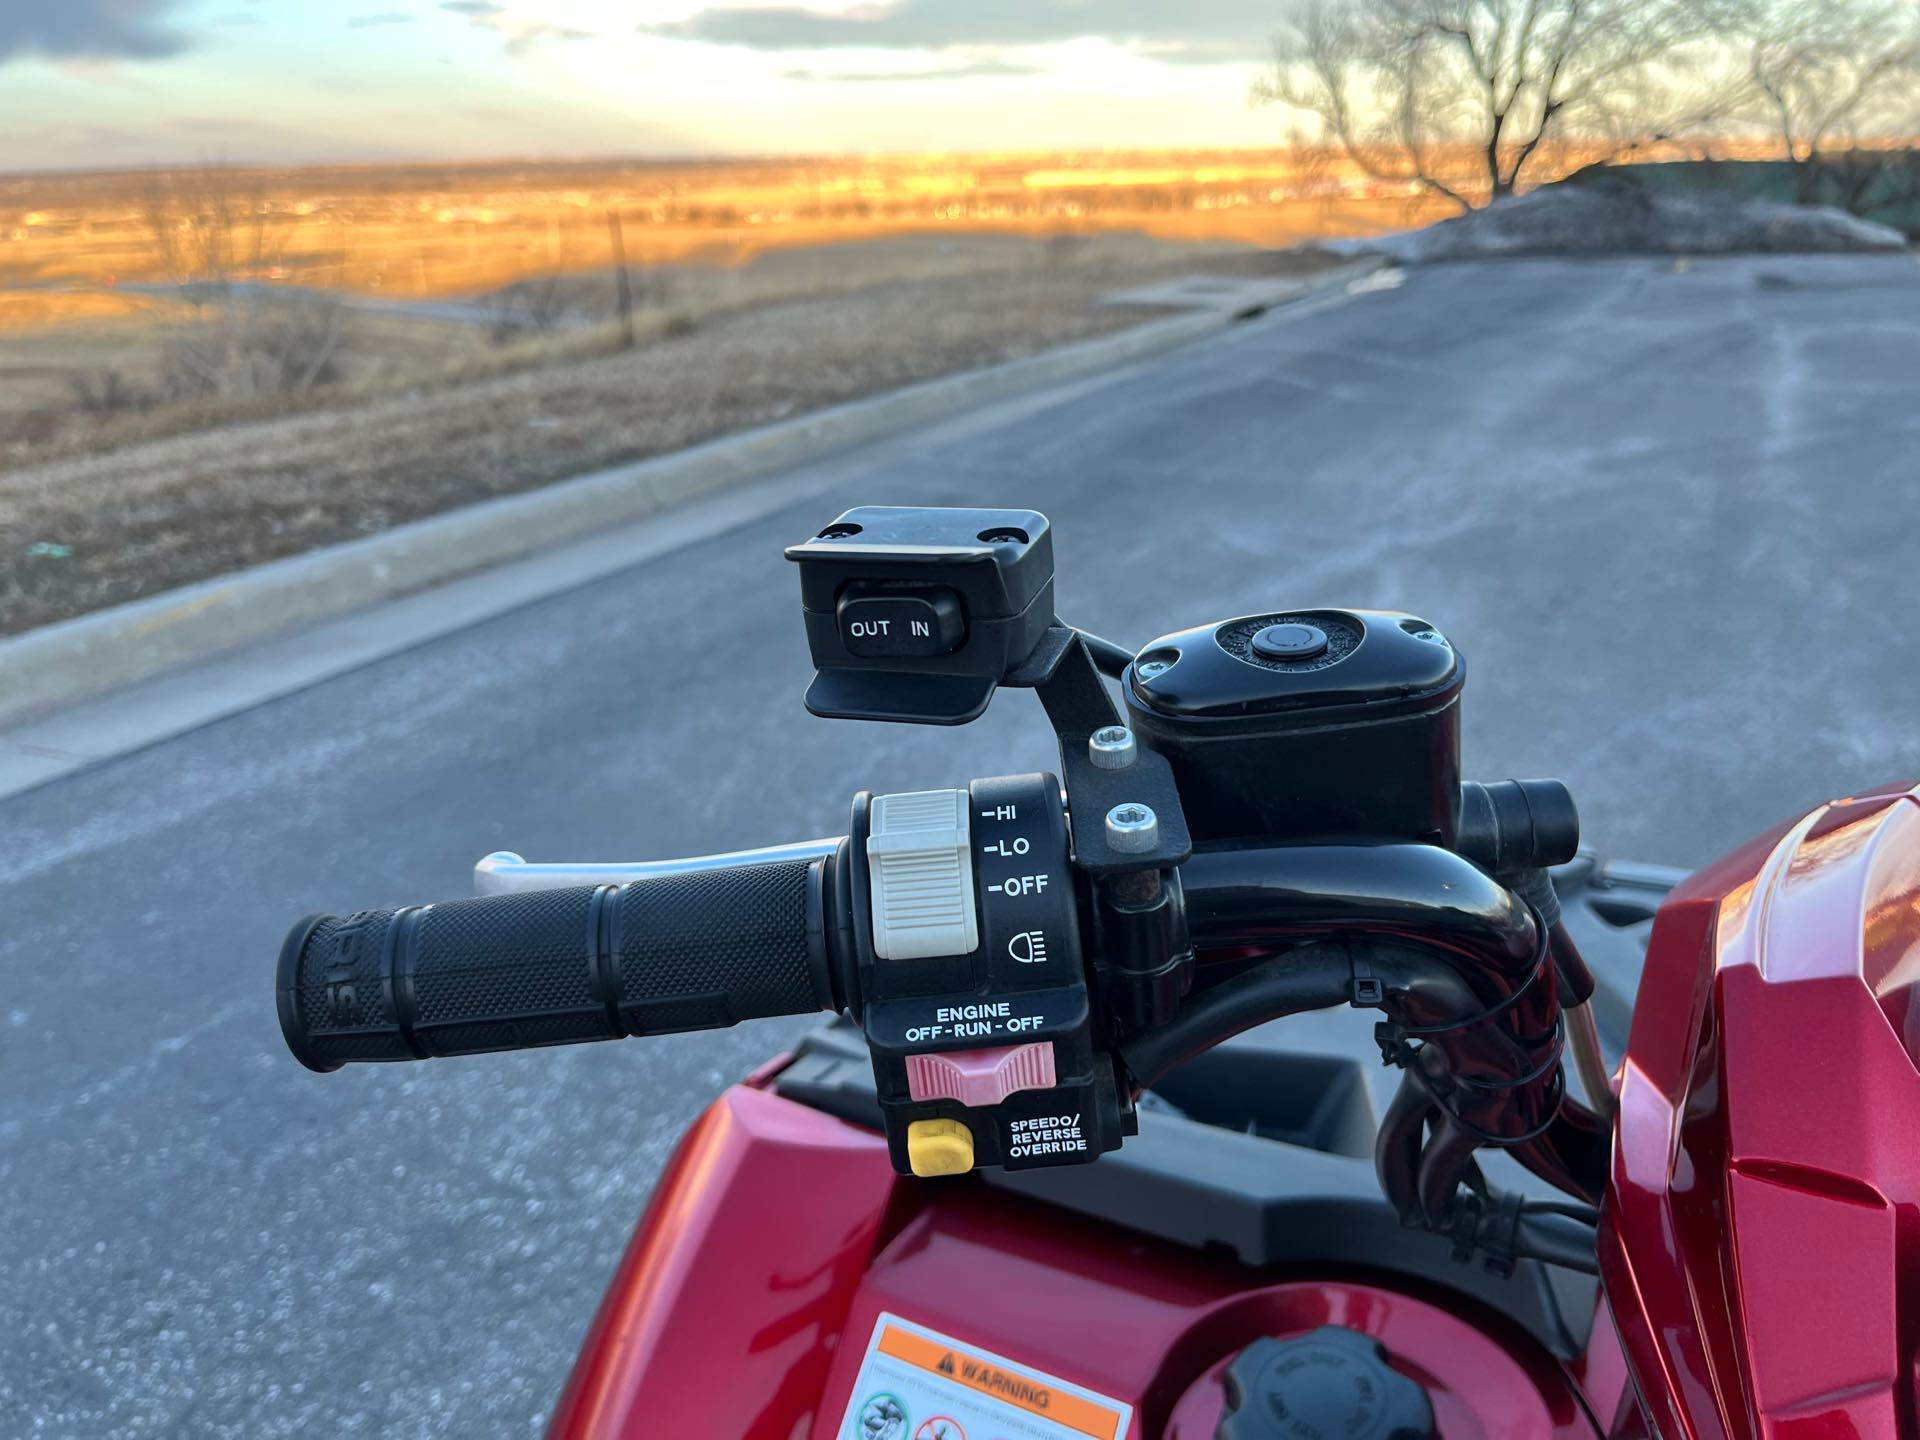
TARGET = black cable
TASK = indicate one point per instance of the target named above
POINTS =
(1585, 1214)
(1555, 1240)
(1432, 996)
(1576, 980)
(1490, 1012)
(1500, 1227)
(1573, 1154)
(1308, 977)
(1396, 1150)
(1316, 975)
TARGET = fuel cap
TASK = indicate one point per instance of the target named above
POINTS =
(1333, 1381)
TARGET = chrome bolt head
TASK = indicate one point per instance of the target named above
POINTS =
(1111, 747)
(1133, 828)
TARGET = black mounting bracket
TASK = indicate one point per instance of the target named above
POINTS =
(1062, 672)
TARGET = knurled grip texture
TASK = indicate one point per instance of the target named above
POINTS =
(688, 951)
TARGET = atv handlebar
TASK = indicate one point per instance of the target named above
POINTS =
(690, 949)
(1271, 816)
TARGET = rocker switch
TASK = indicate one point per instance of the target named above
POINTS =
(981, 1077)
(921, 870)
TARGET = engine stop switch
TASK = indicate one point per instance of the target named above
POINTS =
(981, 1077)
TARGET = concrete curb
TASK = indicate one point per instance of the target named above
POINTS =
(90, 654)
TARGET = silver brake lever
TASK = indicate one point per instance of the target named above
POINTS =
(505, 873)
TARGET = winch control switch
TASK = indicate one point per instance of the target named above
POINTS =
(876, 620)
(916, 615)
(977, 1012)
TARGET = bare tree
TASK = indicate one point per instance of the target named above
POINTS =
(1310, 181)
(1831, 76)
(1465, 98)
(537, 305)
(220, 245)
(103, 390)
(623, 277)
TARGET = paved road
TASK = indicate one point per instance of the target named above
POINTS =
(1669, 518)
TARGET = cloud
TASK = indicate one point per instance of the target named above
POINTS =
(525, 40)
(1209, 52)
(385, 17)
(976, 70)
(1203, 31)
(238, 17)
(88, 29)
(521, 37)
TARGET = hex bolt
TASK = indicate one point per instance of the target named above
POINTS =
(1133, 828)
(1111, 747)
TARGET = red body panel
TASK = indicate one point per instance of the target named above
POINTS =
(723, 1316)
(1766, 1188)
(778, 1235)
(1155, 1325)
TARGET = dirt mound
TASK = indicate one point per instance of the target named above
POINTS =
(1626, 219)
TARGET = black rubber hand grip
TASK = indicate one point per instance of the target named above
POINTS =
(687, 951)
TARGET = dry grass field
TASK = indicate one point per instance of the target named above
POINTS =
(131, 504)
(203, 370)
(92, 384)
(121, 294)
(460, 230)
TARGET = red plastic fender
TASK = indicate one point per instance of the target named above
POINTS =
(724, 1315)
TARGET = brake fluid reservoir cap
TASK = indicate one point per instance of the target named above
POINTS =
(1332, 1381)
(1290, 641)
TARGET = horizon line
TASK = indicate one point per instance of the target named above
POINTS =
(729, 158)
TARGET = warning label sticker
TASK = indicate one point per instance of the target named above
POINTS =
(917, 1384)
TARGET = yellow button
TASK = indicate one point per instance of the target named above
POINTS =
(939, 1147)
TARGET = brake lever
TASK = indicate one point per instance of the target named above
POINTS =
(505, 873)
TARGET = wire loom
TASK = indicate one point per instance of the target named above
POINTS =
(1403, 1046)
(1472, 1011)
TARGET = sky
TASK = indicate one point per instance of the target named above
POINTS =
(140, 82)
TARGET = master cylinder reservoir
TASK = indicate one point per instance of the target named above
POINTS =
(1311, 725)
